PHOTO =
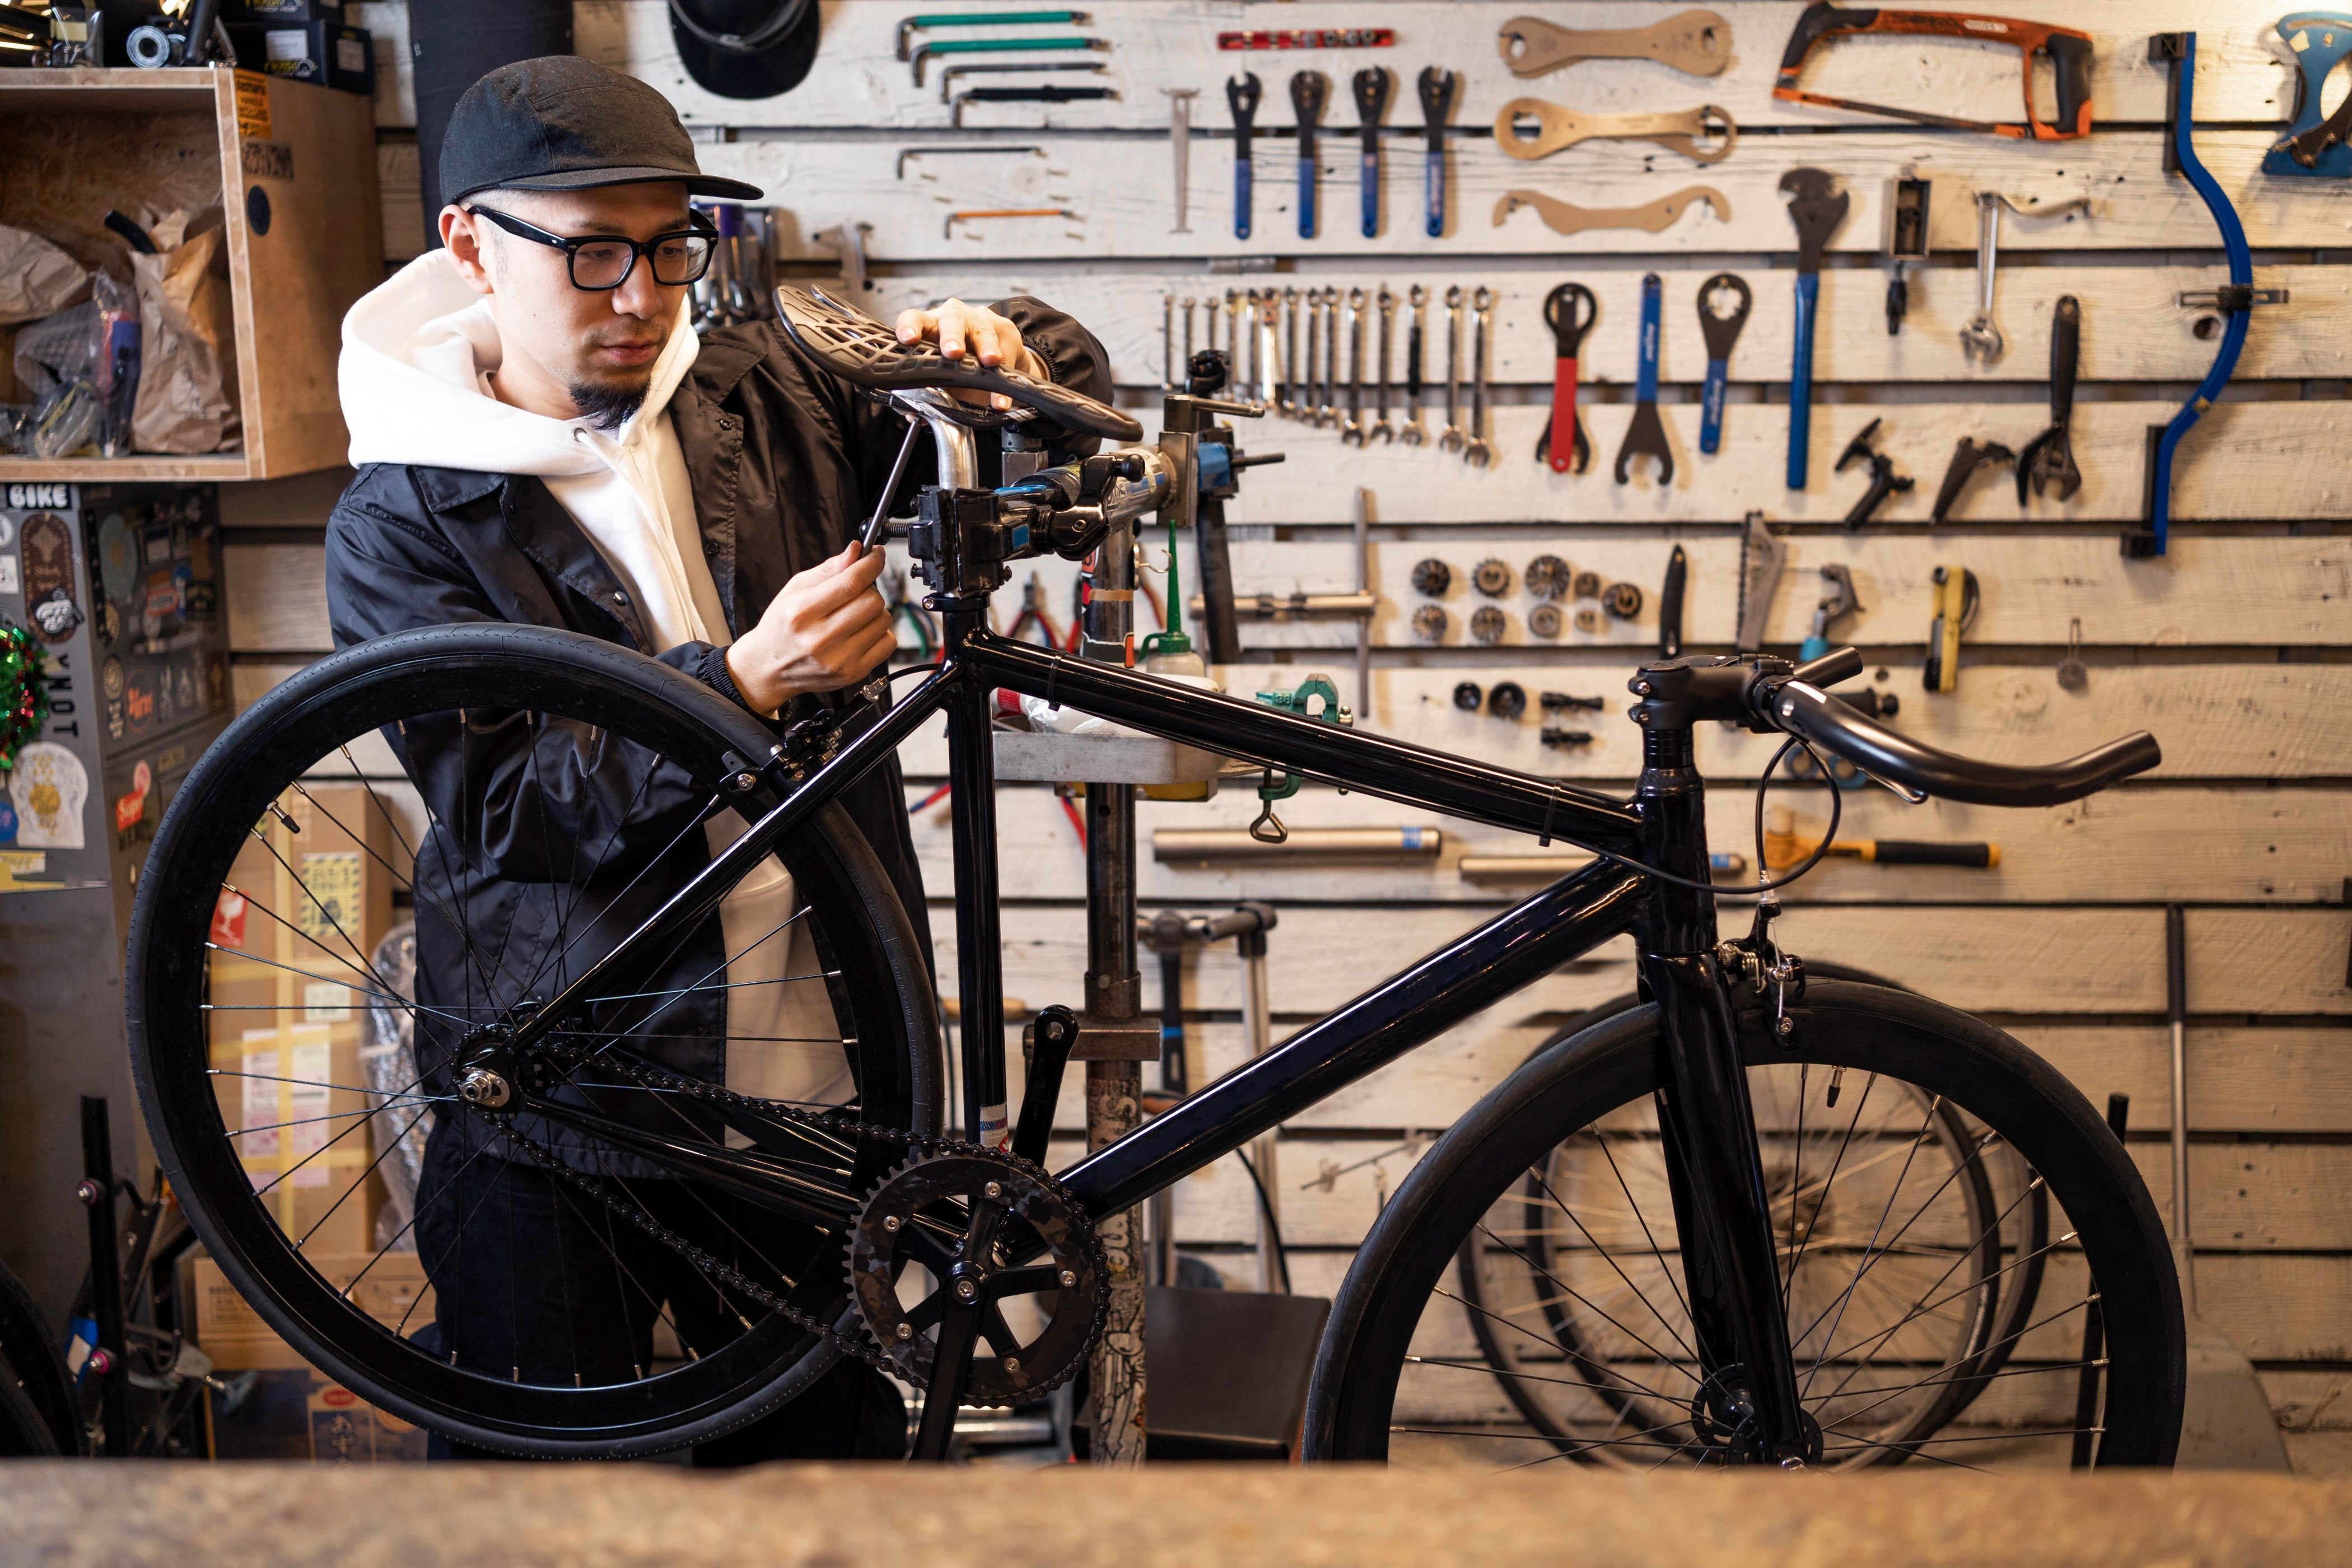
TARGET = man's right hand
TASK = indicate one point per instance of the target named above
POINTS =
(827, 628)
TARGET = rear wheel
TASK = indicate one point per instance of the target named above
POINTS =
(1545, 1215)
(536, 793)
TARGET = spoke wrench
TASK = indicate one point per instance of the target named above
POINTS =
(1309, 91)
(1817, 207)
(1351, 429)
(2049, 458)
(1438, 90)
(1883, 480)
(1645, 436)
(1451, 438)
(1241, 94)
(1570, 311)
(1721, 330)
(1478, 452)
(1416, 433)
(1371, 101)
(1383, 430)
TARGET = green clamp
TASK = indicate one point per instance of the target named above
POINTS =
(1313, 697)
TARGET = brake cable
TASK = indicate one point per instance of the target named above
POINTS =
(1837, 808)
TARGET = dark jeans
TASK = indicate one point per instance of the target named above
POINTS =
(542, 1285)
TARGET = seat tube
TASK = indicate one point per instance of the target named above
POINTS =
(1730, 1267)
(979, 977)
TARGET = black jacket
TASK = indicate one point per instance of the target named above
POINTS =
(785, 462)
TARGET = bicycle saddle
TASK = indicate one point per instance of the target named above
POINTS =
(866, 353)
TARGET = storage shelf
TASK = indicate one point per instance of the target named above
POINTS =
(142, 467)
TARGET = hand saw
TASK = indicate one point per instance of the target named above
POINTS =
(2068, 52)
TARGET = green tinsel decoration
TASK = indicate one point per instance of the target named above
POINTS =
(23, 695)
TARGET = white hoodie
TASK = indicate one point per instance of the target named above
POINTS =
(419, 354)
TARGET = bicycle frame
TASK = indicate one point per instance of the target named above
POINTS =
(1730, 1267)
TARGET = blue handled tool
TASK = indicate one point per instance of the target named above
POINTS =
(1309, 91)
(1437, 89)
(1817, 208)
(2316, 148)
(1645, 436)
(1719, 321)
(2235, 301)
(1371, 102)
(1241, 96)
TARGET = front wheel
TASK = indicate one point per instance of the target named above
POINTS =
(1885, 1133)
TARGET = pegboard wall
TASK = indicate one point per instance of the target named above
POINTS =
(2231, 648)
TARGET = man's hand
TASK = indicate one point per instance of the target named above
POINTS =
(827, 628)
(960, 329)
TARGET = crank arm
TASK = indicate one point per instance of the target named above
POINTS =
(1703, 135)
(1698, 42)
(1563, 218)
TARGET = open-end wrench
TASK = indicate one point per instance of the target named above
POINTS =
(1351, 429)
(1478, 452)
(1234, 375)
(1168, 379)
(1645, 436)
(1705, 135)
(1184, 374)
(1451, 438)
(1416, 433)
(1180, 141)
(1269, 359)
(1314, 307)
(1723, 306)
(1980, 337)
(1570, 311)
(1246, 363)
(1309, 91)
(1241, 96)
(1290, 352)
(2049, 458)
(1566, 218)
(1698, 42)
(1817, 207)
(1372, 85)
(1438, 90)
(1383, 430)
(1327, 409)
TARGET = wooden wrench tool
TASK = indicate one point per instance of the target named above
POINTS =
(1698, 42)
(1703, 135)
(1564, 217)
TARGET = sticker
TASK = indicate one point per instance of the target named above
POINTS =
(228, 919)
(109, 678)
(267, 160)
(8, 824)
(324, 1001)
(351, 57)
(24, 497)
(285, 44)
(7, 532)
(311, 1068)
(259, 1118)
(49, 576)
(110, 622)
(9, 581)
(331, 894)
(139, 703)
(252, 104)
(132, 805)
(117, 557)
(48, 788)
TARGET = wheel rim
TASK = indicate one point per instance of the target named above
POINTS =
(314, 749)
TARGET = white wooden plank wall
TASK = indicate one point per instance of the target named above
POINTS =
(2232, 648)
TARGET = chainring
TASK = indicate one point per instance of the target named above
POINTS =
(919, 1215)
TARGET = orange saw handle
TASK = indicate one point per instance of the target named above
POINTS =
(2068, 51)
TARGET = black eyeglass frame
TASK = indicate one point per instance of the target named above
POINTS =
(573, 247)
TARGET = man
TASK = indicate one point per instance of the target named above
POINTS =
(541, 438)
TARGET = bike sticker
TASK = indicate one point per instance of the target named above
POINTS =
(48, 788)
(49, 601)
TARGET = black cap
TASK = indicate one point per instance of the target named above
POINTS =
(564, 123)
(745, 48)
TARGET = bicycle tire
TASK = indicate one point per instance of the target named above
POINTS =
(34, 1366)
(870, 960)
(1396, 1277)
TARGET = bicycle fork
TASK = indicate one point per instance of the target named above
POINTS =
(1748, 1401)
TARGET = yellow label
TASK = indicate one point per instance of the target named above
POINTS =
(252, 104)
(331, 898)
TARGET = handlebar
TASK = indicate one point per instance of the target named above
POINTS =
(1800, 708)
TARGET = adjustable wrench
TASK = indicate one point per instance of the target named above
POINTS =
(1372, 86)
(2049, 458)
(1416, 433)
(1478, 452)
(1980, 337)
(1351, 429)
(1817, 209)
(1570, 310)
(1451, 438)
(1721, 330)
(1241, 94)
(1383, 430)
(1438, 90)
(1308, 91)
(1645, 436)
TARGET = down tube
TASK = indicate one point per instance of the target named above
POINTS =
(1564, 922)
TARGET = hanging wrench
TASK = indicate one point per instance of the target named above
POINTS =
(1290, 352)
(1243, 329)
(1351, 430)
(1307, 410)
(1383, 430)
(1309, 89)
(1240, 96)
(1168, 343)
(1234, 340)
(1438, 90)
(1645, 436)
(1723, 305)
(1816, 206)
(1269, 363)
(1372, 87)
(1980, 339)
(1184, 376)
(1416, 433)
(1451, 439)
(1327, 413)
(1570, 310)
(1478, 453)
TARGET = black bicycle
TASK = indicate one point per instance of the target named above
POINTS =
(1749, 1220)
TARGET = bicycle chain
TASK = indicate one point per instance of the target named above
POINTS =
(912, 1143)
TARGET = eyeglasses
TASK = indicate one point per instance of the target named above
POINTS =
(603, 261)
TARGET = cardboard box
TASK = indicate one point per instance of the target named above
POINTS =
(326, 53)
(291, 978)
(392, 1288)
(302, 1413)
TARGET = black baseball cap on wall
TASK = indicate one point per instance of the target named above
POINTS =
(564, 123)
(745, 48)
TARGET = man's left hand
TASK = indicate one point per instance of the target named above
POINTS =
(963, 330)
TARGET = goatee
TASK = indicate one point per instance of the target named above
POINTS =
(609, 407)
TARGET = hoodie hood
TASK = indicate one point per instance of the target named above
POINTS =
(414, 378)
